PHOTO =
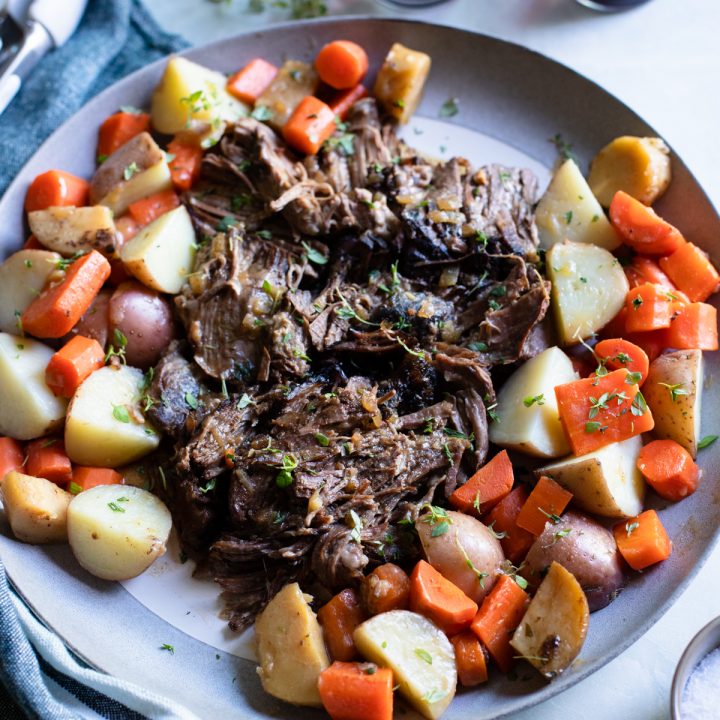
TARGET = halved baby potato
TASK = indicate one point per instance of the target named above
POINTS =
(36, 508)
(553, 629)
(162, 254)
(527, 407)
(104, 425)
(588, 288)
(419, 654)
(605, 482)
(69, 230)
(569, 211)
(116, 532)
(400, 81)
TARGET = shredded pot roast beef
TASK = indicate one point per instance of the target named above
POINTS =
(343, 320)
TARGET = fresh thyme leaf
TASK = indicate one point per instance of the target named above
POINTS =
(261, 113)
(210, 486)
(568, 217)
(357, 526)
(115, 507)
(675, 390)
(706, 441)
(74, 488)
(322, 439)
(130, 170)
(440, 529)
(449, 108)
(531, 400)
(244, 401)
(633, 378)
(168, 648)
(565, 149)
(121, 414)
(478, 346)
(191, 400)
(313, 255)
(226, 223)
(424, 655)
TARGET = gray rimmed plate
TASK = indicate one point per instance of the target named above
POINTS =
(511, 102)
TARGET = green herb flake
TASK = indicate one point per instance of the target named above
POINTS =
(520, 581)
(313, 255)
(433, 696)
(261, 113)
(74, 488)
(321, 439)
(630, 527)
(531, 400)
(707, 441)
(121, 414)
(449, 108)
(191, 400)
(115, 507)
(633, 378)
(244, 401)
(675, 390)
(209, 486)
(130, 170)
(568, 217)
(168, 648)
(424, 655)
(478, 346)
(440, 529)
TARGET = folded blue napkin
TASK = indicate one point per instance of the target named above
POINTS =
(39, 677)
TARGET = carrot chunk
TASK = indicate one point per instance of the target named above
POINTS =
(646, 270)
(598, 411)
(117, 129)
(617, 353)
(357, 691)
(693, 327)
(310, 125)
(642, 540)
(252, 81)
(440, 600)
(501, 611)
(32, 243)
(343, 100)
(152, 207)
(186, 162)
(669, 469)
(339, 618)
(11, 456)
(691, 270)
(85, 478)
(641, 228)
(72, 364)
(46, 458)
(546, 501)
(341, 64)
(648, 308)
(490, 484)
(56, 188)
(386, 588)
(56, 310)
(503, 519)
(470, 659)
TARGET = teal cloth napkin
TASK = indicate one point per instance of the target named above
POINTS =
(39, 677)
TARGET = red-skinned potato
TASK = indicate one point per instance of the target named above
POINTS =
(583, 547)
(145, 318)
(461, 549)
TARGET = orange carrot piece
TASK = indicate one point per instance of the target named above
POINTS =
(641, 228)
(469, 659)
(693, 326)
(127, 228)
(56, 310)
(598, 411)
(642, 540)
(503, 519)
(691, 270)
(617, 353)
(310, 125)
(648, 308)
(85, 478)
(32, 243)
(11, 456)
(490, 484)
(546, 501)
(339, 617)
(186, 162)
(72, 364)
(386, 588)
(152, 207)
(651, 343)
(646, 270)
(343, 100)
(341, 64)
(252, 81)
(440, 600)
(46, 458)
(117, 129)
(669, 469)
(357, 691)
(501, 611)
(56, 188)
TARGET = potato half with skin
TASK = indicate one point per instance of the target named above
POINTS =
(400, 81)
(22, 277)
(640, 166)
(28, 408)
(419, 654)
(585, 548)
(673, 391)
(568, 210)
(291, 649)
(527, 407)
(162, 254)
(553, 629)
(36, 508)
(104, 425)
(588, 289)
(116, 532)
(604, 482)
(69, 230)
(462, 549)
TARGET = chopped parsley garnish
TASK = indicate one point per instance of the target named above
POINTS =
(322, 439)
(74, 488)
(191, 400)
(449, 108)
(168, 648)
(261, 113)
(284, 478)
(633, 378)
(565, 149)
(424, 655)
(357, 526)
(706, 441)
(210, 486)
(115, 507)
(531, 400)
(244, 401)
(478, 346)
(226, 223)
(121, 414)
(313, 255)
(568, 217)
(130, 170)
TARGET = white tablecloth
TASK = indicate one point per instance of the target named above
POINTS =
(662, 59)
